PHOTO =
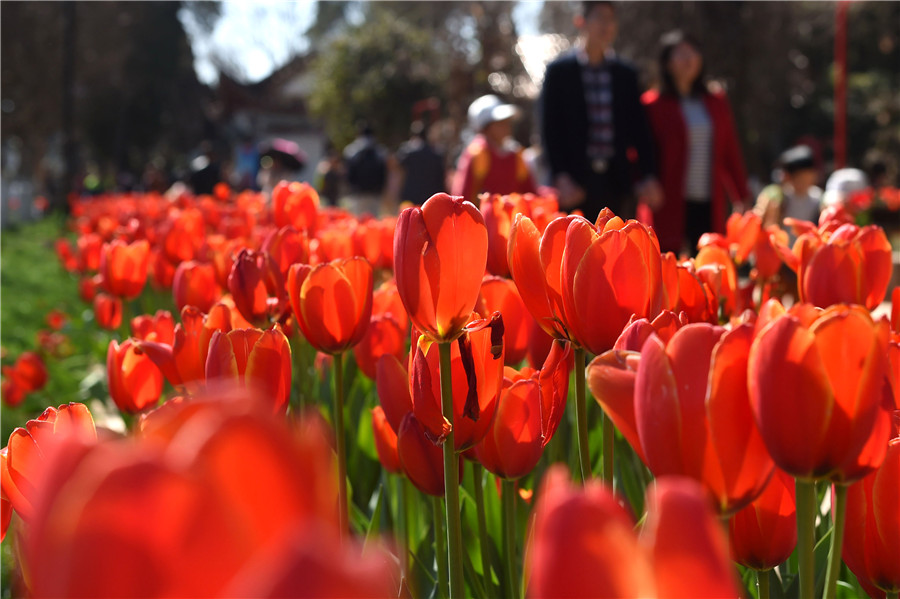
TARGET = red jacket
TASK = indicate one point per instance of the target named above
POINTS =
(481, 169)
(729, 179)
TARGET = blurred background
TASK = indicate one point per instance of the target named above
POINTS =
(102, 96)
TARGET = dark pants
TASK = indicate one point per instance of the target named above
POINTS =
(697, 221)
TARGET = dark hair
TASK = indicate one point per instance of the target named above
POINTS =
(588, 5)
(668, 42)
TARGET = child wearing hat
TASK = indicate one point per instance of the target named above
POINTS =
(796, 196)
(492, 162)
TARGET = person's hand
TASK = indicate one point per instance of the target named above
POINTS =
(570, 194)
(650, 192)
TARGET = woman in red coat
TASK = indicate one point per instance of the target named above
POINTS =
(698, 155)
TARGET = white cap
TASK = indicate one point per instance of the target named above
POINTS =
(489, 109)
(842, 183)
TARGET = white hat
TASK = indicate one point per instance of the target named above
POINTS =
(842, 183)
(489, 109)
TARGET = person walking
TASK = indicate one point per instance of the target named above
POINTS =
(423, 167)
(366, 169)
(697, 149)
(594, 129)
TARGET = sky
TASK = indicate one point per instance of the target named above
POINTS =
(258, 36)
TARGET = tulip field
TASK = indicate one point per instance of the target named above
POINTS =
(239, 395)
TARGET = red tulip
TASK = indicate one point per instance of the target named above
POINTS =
(246, 490)
(90, 248)
(295, 204)
(392, 385)
(686, 293)
(693, 413)
(184, 236)
(584, 544)
(88, 287)
(499, 213)
(539, 344)
(183, 362)
(135, 382)
(373, 239)
(255, 359)
(528, 413)
(162, 271)
(67, 257)
(440, 251)
(108, 311)
(422, 460)
(385, 441)
(332, 302)
(124, 268)
(816, 393)
(848, 265)
(872, 531)
(28, 372)
(256, 285)
(764, 533)
(24, 457)
(160, 327)
(501, 295)
(573, 271)
(383, 336)
(715, 268)
(742, 231)
(194, 284)
(287, 246)
(477, 373)
(386, 300)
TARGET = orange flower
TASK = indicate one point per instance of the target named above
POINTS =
(440, 252)
(24, 457)
(501, 295)
(693, 413)
(124, 267)
(160, 327)
(287, 246)
(383, 336)
(386, 301)
(476, 364)
(135, 382)
(295, 204)
(255, 359)
(194, 284)
(816, 391)
(90, 248)
(385, 441)
(528, 413)
(108, 311)
(162, 271)
(584, 544)
(686, 293)
(422, 460)
(764, 534)
(872, 533)
(28, 372)
(332, 302)
(574, 270)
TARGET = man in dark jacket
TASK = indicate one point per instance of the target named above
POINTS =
(596, 136)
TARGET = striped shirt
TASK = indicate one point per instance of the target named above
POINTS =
(699, 159)
(598, 94)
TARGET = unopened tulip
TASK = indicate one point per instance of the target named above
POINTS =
(764, 534)
(332, 302)
(422, 460)
(440, 252)
(872, 532)
(256, 285)
(194, 284)
(135, 382)
(108, 311)
(816, 391)
(124, 268)
(287, 246)
(255, 359)
(385, 441)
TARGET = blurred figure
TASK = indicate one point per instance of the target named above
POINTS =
(366, 164)
(492, 162)
(422, 166)
(843, 183)
(536, 159)
(246, 164)
(796, 196)
(700, 163)
(330, 175)
(592, 122)
(206, 170)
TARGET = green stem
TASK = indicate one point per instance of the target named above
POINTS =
(402, 524)
(339, 440)
(509, 535)
(762, 582)
(581, 416)
(440, 549)
(839, 509)
(609, 440)
(478, 476)
(806, 536)
(451, 479)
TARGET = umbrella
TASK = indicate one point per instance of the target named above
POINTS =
(288, 152)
